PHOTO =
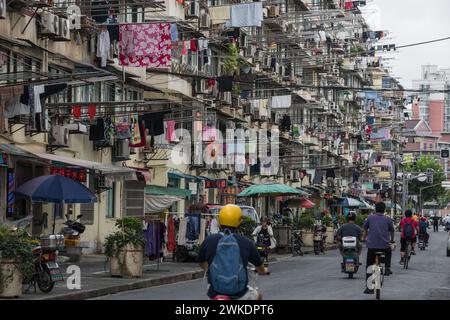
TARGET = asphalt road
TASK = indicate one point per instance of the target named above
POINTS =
(319, 278)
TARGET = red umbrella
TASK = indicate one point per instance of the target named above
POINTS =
(305, 203)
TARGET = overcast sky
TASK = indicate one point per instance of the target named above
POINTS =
(411, 21)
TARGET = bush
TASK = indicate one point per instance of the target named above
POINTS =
(247, 226)
(130, 232)
(16, 245)
(306, 222)
(327, 221)
(360, 219)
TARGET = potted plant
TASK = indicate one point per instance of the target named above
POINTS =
(16, 260)
(306, 224)
(125, 248)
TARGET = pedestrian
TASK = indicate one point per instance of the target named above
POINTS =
(379, 232)
(435, 224)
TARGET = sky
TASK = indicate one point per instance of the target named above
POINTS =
(411, 21)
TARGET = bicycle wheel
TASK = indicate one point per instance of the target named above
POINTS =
(406, 258)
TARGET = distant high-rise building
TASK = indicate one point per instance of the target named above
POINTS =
(433, 107)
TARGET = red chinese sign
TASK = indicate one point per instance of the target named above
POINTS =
(213, 184)
(74, 174)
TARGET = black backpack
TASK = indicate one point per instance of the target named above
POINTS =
(408, 229)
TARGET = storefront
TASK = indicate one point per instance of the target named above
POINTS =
(17, 166)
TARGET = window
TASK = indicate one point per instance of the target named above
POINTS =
(87, 209)
(133, 198)
(173, 182)
(111, 198)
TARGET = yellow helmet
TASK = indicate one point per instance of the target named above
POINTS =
(230, 216)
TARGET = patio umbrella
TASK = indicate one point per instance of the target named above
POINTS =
(300, 203)
(55, 189)
(273, 190)
(349, 202)
(366, 205)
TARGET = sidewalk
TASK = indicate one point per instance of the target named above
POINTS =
(96, 280)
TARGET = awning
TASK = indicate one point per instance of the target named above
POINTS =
(121, 173)
(179, 175)
(164, 191)
(15, 151)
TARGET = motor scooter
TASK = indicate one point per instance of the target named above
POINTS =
(319, 239)
(350, 258)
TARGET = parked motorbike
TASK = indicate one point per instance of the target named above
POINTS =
(46, 268)
(320, 234)
(350, 259)
(297, 243)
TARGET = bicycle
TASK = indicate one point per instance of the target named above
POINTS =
(407, 255)
(375, 281)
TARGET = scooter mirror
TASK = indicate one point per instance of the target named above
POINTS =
(79, 216)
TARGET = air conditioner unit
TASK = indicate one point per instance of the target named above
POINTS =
(77, 128)
(50, 24)
(273, 11)
(193, 10)
(2, 9)
(205, 21)
(225, 97)
(291, 28)
(60, 136)
(121, 150)
(64, 30)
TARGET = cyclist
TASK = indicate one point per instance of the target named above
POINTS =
(350, 229)
(379, 232)
(423, 230)
(229, 247)
(409, 229)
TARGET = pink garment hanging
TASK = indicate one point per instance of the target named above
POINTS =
(145, 45)
(209, 134)
(170, 131)
(184, 50)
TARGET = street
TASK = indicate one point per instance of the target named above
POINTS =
(319, 278)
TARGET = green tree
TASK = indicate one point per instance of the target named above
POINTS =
(430, 194)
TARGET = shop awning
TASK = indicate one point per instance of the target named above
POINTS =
(15, 151)
(122, 173)
(164, 191)
(179, 175)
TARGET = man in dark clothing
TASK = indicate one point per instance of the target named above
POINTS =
(435, 224)
(379, 232)
(230, 218)
(350, 229)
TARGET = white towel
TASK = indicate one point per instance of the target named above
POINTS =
(281, 102)
(182, 232)
(103, 46)
(246, 15)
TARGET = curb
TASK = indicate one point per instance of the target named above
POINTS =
(141, 284)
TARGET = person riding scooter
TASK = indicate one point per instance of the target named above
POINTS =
(264, 239)
(225, 257)
(350, 229)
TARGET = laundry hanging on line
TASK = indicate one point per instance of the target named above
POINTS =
(145, 45)
(246, 15)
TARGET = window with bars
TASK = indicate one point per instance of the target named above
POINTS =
(87, 209)
(133, 198)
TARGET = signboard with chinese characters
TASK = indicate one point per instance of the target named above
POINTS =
(74, 174)
(216, 184)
